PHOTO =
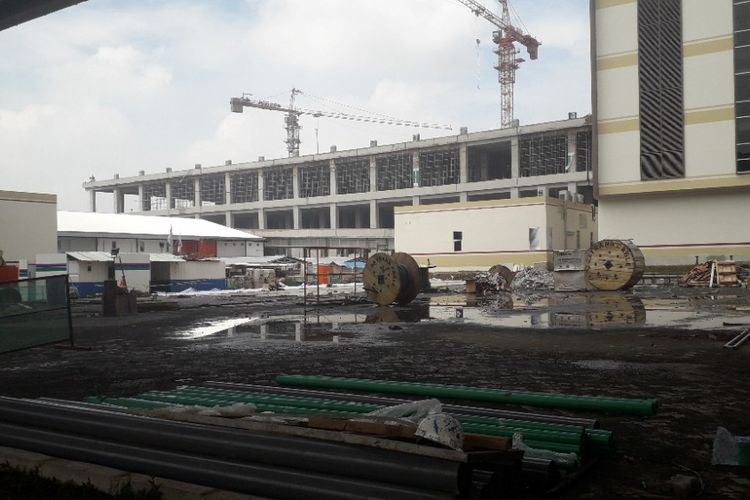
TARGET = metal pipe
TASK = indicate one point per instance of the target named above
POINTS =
(362, 398)
(213, 396)
(254, 479)
(541, 399)
(287, 451)
(572, 437)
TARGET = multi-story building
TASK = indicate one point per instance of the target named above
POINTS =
(671, 100)
(346, 199)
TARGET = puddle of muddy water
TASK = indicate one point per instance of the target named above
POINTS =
(314, 328)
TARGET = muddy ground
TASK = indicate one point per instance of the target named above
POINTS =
(673, 358)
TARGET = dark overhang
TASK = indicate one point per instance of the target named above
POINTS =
(14, 12)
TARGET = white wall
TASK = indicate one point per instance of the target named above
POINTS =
(196, 270)
(76, 244)
(88, 272)
(28, 224)
(494, 232)
(675, 228)
(137, 269)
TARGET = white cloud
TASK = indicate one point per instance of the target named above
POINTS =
(111, 86)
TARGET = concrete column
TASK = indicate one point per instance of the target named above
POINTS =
(197, 216)
(261, 219)
(168, 194)
(140, 198)
(358, 217)
(515, 160)
(263, 331)
(373, 214)
(463, 197)
(227, 189)
(295, 184)
(415, 200)
(572, 187)
(299, 335)
(334, 216)
(542, 191)
(514, 193)
(332, 165)
(463, 163)
(118, 200)
(373, 176)
(572, 160)
(260, 185)
(92, 201)
(197, 192)
(295, 217)
(415, 168)
(228, 218)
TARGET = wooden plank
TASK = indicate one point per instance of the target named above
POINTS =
(373, 427)
(480, 441)
(306, 432)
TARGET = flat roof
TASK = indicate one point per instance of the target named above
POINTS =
(94, 224)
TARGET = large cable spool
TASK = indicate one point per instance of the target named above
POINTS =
(615, 265)
(391, 278)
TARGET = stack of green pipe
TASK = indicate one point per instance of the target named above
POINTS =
(556, 437)
(539, 399)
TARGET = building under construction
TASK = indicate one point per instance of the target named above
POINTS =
(346, 199)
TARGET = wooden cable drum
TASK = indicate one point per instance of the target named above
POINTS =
(388, 279)
(615, 265)
(504, 273)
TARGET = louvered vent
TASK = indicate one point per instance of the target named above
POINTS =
(662, 122)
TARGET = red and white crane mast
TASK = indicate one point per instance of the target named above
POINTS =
(507, 60)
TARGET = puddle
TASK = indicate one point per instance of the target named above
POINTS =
(506, 310)
(313, 328)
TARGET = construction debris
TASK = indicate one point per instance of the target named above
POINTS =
(532, 278)
(740, 339)
(711, 273)
(497, 279)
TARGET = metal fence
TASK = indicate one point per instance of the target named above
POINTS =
(34, 312)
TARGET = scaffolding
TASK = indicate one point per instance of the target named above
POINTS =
(213, 190)
(278, 184)
(324, 276)
(543, 154)
(315, 180)
(353, 176)
(154, 197)
(183, 193)
(438, 168)
(394, 172)
(243, 187)
(583, 151)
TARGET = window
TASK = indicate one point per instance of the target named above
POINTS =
(457, 241)
(661, 113)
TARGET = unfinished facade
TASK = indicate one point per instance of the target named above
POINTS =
(346, 199)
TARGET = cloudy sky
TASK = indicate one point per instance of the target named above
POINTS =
(111, 86)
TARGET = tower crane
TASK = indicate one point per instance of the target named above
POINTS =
(291, 119)
(507, 62)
